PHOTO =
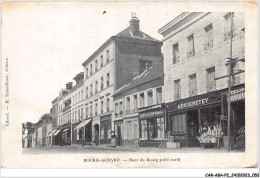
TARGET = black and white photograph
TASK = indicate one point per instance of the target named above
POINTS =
(129, 84)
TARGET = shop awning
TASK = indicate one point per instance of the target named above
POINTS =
(65, 130)
(50, 134)
(56, 133)
(82, 124)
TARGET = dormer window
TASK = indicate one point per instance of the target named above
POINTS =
(144, 65)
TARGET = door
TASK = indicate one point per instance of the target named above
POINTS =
(96, 127)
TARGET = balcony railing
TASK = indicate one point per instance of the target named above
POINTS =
(177, 96)
(193, 92)
(211, 86)
(190, 53)
(208, 45)
(227, 35)
(66, 108)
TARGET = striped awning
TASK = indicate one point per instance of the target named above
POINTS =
(82, 124)
(50, 134)
(65, 130)
(56, 133)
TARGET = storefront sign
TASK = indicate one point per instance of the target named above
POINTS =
(151, 114)
(237, 94)
(193, 103)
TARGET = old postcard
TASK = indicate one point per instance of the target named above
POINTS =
(129, 85)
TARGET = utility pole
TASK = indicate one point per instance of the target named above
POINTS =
(230, 62)
(229, 83)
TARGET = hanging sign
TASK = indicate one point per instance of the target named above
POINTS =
(237, 94)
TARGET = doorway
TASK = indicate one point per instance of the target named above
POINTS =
(96, 136)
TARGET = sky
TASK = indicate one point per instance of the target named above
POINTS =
(46, 44)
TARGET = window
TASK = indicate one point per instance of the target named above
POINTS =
(128, 104)
(141, 100)
(120, 108)
(96, 65)
(91, 89)
(107, 55)
(144, 129)
(81, 114)
(90, 110)
(227, 26)
(73, 100)
(178, 124)
(96, 87)
(76, 98)
(91, 69)
(176, 54)
(86, 92)
(102, 83)
(78, 114)
(86, 72)
(208, 37)
(211, 84)
(135, 103)
(150, 97)
(116, 109)
(156, 129)
(96, 109)
(144, 65)
(190, 51)
(108, 105)
(86, 112)
(177, 89)
(81, 95)
(108, 79)
(101, 61)
(159, 95)
(192, 85)
(102, 107)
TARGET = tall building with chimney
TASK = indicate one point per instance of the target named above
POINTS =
(84, 113)
(114, 64)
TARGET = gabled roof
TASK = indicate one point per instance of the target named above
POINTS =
(128, 34)
(146, 76)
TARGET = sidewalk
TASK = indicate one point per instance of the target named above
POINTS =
(150, 149)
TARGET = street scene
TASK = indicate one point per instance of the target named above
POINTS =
(184, 93)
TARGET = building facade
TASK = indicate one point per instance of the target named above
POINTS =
(196, 47)
(135, 122)
(114, 64)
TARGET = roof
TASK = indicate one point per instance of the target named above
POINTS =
(146, 76)
(79, 75)
(174, 20)
(128, 34)
(125, 34)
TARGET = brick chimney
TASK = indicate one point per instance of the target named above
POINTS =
(134, 24)
(69, 86)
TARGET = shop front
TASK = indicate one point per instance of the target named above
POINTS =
(119, 131)
(152, 124)
(83, 132)
(237, 119)
(105, 129)
(197, 120)
(131, 127)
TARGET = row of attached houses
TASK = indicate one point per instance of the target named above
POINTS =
(130, 89)
(38, 134)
